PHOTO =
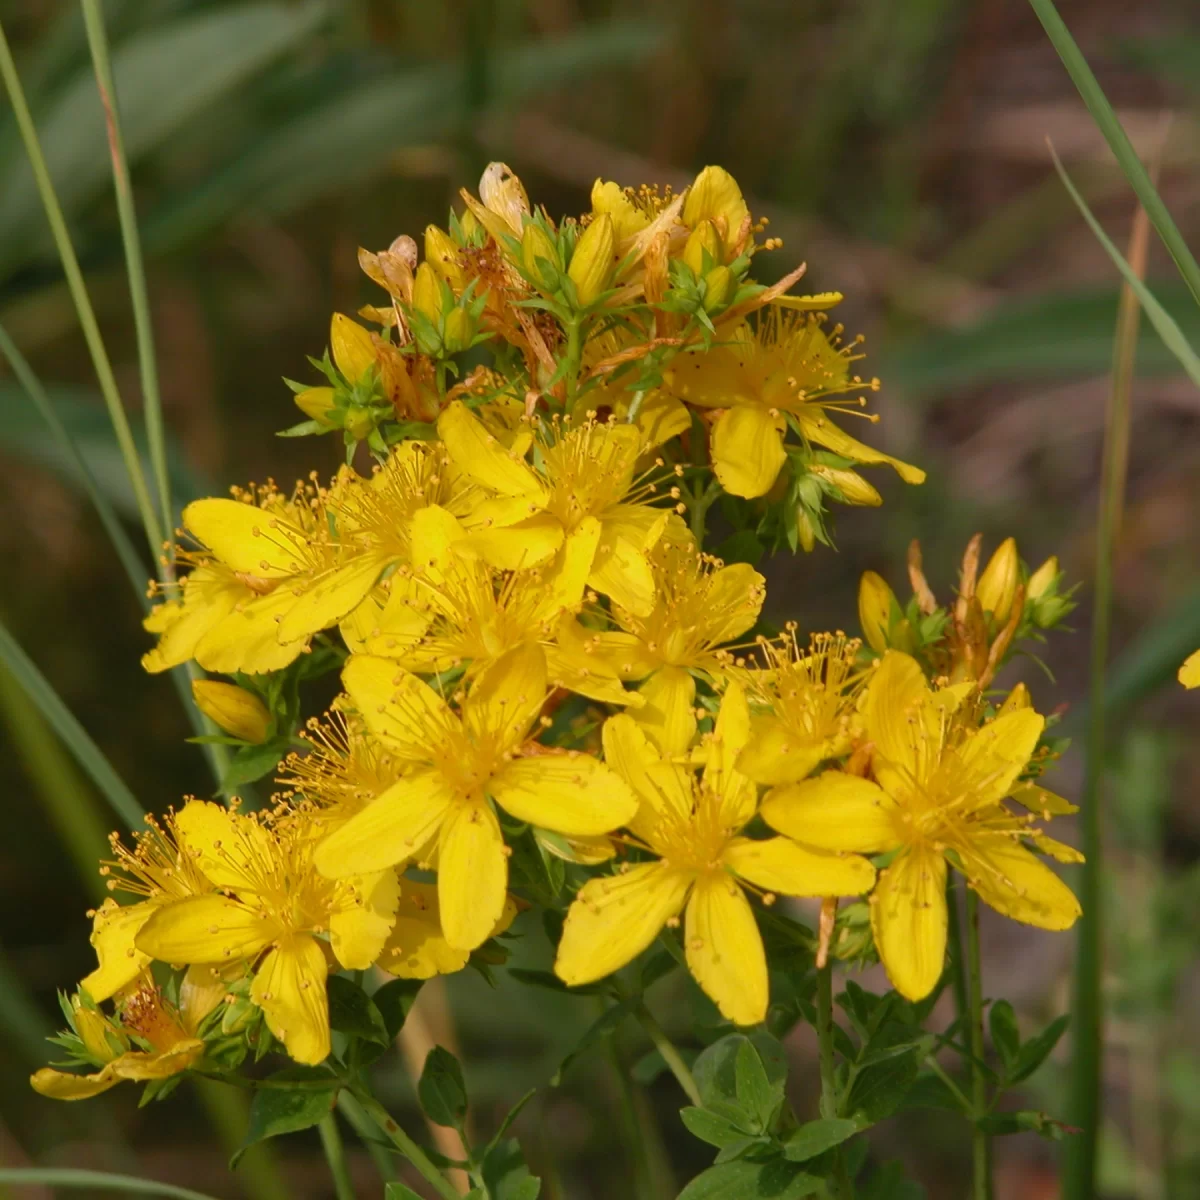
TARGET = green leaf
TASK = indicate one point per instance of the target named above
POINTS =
(744, 1180)
(757, 1095)
(442, 1089)
(506, 1175)
(278, 1110)
(603, 1027)
(1035, 1051)
(352, 1011)
(1023, 1121)
(879, 1090)
(816, 1137)
(251, 763)
(394, 1001)
(552, 983)
(1006, 1037)
(715, 1068)
(711, 1128)
(1164, 324)
(399, 1191)
(67, 1177)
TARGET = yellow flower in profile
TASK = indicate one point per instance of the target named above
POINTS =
(787, 370)
(145, 1015)
(804, 700)
(273, 906)
(700, 604)
(589, 471)
(692, 826)
(458, 767)
(938, 798)
(1189, 673)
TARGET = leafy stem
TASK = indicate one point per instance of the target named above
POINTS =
(670, 1055)
(980, 1148)
(415, 1155)
(335, 1155)
(842, 1184)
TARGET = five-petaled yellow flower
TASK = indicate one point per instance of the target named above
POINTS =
(693, 826)
(938, 798)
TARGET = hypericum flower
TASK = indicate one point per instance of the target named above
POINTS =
(1189, 673)
(275, 903)
(459, 766)
(233, 709)
(692, 825)
(787, 368)
(456, 609)
(586, 471)
(806, 698)
(700, 604)
(145, 1019)
(938, 799)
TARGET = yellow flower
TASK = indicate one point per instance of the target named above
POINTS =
(938, 799)
(692, 826)
(145, 1015)
(699, 605)
(586, 471)
(273, 905)
(805, 697)
(786, 370)
(1189, 673)
(459, 766)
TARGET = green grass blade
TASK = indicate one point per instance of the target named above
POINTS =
(22, 1024)
(64, 722)
(66, 1177)
(135, 267)
(155, 531)
(134, 568)
(1118, 142)
(1158, 316)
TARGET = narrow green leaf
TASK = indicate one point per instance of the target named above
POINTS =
(1163, 322)
(1002, 1023)
(816, 1137)
(399, 1191)
(278, 1110)
(603, 1027)
(757, 1096)
(745, 1180)
(66, 1177)
(712, 1128)
(442, 1089)
(1035, 1051)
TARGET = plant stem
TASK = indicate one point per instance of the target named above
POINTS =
(365, 1128)
(842, 1185)
(958, 970)
(639, 1166)
(335, 1155)
(93, 17)
(406, 1145)
(980, 1148)
(670, 1055)
(702, 501)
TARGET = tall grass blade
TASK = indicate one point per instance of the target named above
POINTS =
(67, 1177)
(1118, 142)
(155, 531)
(22, 1025)
(134, 568)
(135, 267)
(73, 734)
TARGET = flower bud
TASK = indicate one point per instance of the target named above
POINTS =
(715, 196)
(1017, 699)
(592, 263)
(998, 584)
(875, 602)
(427, 293)
(442, 255)
(718, 284)
(503, 194)
(611, 198)
(94, 1029)
(234, 709)
(353, 350)
(459, 330)
(853, 487)
(1042, 578)
(359, 421)
(316, 403)
(703, 239)
(805, 531)
(538, 249)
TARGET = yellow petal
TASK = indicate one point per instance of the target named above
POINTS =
(725, 951)
(570, 573)
(721, 775)
(506, 698)
(397, 706)
(114, 931)
(992, 757)
(614, 918)
(390, 830)
(776, 754)
(140, 1066)
(472, 874)
(244, 537)
(248, 638)
(668, 715)
(353, 350)
(629, 752)
(1037, 799)
(1189, 673)
(62, 1085)
(483, 457)
(200, 991)
(434, 532)
(908, 917)
(519, 546)
(715, 196)
(892, 705)
(735, 598)
(747, 450)
(622, 572)
(205, 929)
(361, 917)
(1059, 851)
(289, 987)
(834, 811)
(817, 427)
(228, 847)
(327, 598)
(625, 652)
(209, 598)
(568, 793)
(1017, 884)
(780, 865)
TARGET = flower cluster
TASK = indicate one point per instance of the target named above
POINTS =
(542, 662)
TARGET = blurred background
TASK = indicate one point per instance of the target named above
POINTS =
(900, 150)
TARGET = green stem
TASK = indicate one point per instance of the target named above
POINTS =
(702, 501)
(842, 1185)
(406, 1145)
(83, 305)
(574, 354)
(229, 1114)
(93, 17)
(335, 1155)
(365, 1128)
(952, 1087)
(640, 1168)
(980, 1148)
(670, 1055)
(958, 969)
